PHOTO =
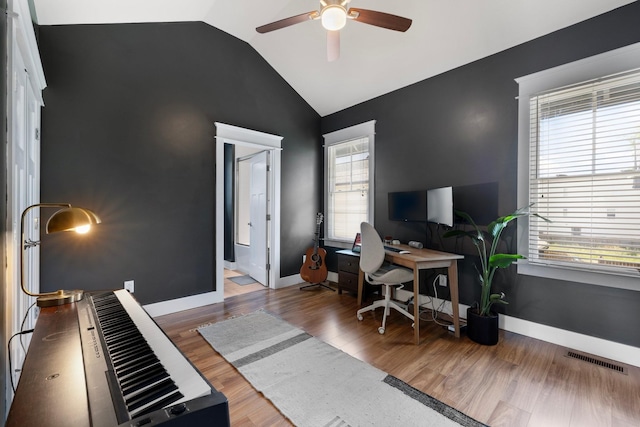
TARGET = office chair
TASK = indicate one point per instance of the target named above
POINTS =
(391, 276)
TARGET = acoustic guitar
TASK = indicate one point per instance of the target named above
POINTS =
(314, 270)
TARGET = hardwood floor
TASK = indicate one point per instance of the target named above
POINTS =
(519, 382)
(232, 289)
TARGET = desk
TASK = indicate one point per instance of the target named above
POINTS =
(424, 259)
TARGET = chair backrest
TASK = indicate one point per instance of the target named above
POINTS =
(372, 252)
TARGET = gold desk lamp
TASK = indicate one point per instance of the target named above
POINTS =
(67, 218)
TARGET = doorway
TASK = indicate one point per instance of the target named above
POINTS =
(270, 145)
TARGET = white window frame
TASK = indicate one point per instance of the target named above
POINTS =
(362, 130)
(612, 62)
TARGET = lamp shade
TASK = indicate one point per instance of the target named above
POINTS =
(66, 218)
(334, 17)
(70, 219)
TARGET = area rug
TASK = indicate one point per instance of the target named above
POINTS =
(242, 280)
(314, 384)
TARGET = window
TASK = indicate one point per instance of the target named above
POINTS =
(582, 167)
(349, 181)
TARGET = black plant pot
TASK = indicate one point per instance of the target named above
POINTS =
(482, 329)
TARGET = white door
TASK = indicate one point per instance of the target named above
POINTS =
(258, 208)
(23, 175)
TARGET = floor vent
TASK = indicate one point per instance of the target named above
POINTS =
(596, 361)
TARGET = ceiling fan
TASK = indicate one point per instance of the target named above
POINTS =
(333, 15)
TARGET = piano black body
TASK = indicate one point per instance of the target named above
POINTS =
(104, 362)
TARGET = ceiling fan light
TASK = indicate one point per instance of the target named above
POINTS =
(334, 17)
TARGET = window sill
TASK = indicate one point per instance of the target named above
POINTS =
(580, 276)
(342, 244)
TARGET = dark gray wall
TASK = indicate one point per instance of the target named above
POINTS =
(460, 128)
(128, 131)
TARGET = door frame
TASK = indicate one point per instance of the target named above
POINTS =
(228, 134)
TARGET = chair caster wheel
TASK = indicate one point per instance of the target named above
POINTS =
(359, 316)
(381, 330)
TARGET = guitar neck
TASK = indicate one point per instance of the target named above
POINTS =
(316, 241)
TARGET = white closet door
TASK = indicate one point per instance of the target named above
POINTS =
(24, 190)
(258, 212)
(25, 84)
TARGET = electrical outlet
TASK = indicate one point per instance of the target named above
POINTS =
(442, 280)
(129, 285)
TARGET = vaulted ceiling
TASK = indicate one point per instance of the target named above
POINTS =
(445, 34)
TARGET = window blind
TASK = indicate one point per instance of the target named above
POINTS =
(348, 188)
(584, 175)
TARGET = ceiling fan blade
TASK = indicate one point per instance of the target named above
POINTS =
(286, 22)
(380, 19)
(333, 45)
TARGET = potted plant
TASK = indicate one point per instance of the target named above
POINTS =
(482, 323)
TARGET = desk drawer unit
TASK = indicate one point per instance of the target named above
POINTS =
(348, 268)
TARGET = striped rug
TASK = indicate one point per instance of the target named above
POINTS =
(314, 384)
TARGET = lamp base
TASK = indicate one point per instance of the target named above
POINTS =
(60, 297)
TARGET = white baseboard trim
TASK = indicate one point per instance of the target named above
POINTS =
(230, 265)
(332, 277)
(284, 282)
(573, 340)
(195, 301)
(181, 304)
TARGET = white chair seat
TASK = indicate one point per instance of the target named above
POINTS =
(390, 274)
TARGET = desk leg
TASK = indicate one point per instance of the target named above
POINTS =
(360, 286)
(453, 286)
(416, 305)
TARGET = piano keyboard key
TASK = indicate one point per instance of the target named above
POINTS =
(144, 389)
(128, 353)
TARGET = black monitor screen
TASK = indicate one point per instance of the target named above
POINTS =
(408, 206)
(480, 201)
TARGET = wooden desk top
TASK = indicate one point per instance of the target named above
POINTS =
(414, 254)
(422, 254)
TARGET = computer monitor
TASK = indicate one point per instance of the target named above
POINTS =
(357, 243)
(440, 206)
(408, 206)
(480, 201)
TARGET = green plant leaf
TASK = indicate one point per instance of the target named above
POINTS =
(504, 260)
(467, 218)
(541, 217)
(475, 237)
(454, 233)
(493, 228)
(498, 298)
